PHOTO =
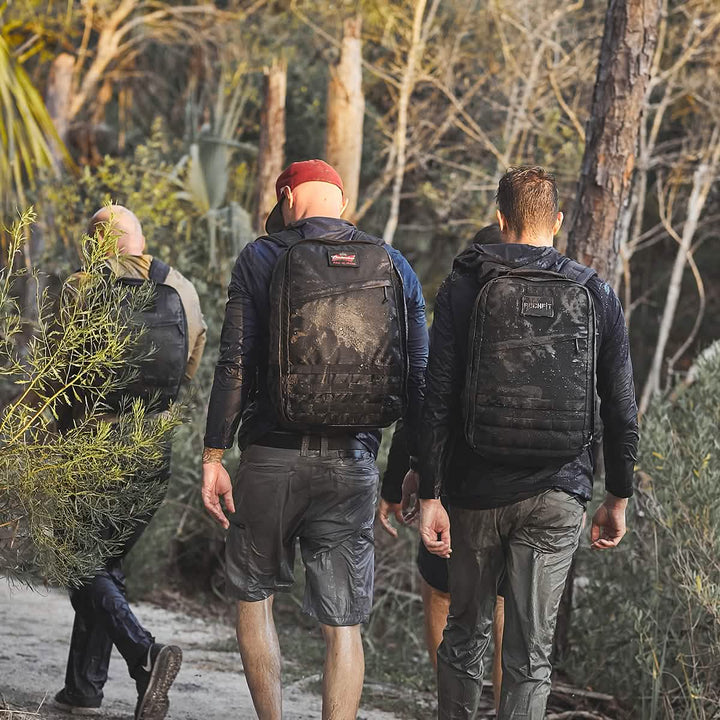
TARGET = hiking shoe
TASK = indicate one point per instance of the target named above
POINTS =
(62, 701)
(155, 677)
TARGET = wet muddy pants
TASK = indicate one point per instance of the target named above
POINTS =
(532, 542)
(103, 618)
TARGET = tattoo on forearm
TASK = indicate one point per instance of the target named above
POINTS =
(212, 455)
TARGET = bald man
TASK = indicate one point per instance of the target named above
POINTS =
(132, 262)
(317, 485)
(103, 617)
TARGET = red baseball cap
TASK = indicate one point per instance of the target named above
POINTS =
(296, 174)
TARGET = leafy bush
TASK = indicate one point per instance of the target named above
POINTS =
(649, 619)
(67, 498)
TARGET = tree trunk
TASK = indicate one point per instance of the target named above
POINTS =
(626, 57)
(271, 153)
(58, 95)
(703, 179)
(346, 112)
(407, 85)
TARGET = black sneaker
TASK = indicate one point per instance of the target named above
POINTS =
(73, 706)
(156, 676)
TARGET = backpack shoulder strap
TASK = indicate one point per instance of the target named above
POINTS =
(158, 271)
(287, 238)
(576, 271)
(363, 237)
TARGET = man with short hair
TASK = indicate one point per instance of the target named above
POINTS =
(103, 617)
(518, 331)
(315, 483)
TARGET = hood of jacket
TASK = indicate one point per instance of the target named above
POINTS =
(512, 255)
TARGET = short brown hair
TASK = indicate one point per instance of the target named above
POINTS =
(528, 199)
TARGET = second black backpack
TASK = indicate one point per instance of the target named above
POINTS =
(338, 348)
(530, 383)
(162, 347)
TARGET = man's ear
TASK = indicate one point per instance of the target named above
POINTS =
(501, 220)
(287, 200)
(558, 223)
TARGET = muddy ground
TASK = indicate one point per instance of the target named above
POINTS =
(35, 630)
(34, 633)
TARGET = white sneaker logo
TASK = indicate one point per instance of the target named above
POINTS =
(148, 665)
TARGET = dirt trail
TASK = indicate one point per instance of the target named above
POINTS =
(34, 634)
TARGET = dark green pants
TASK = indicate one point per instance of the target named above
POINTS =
(532, 542)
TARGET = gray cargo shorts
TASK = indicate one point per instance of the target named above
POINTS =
(327, 500)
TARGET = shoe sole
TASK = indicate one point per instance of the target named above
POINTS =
(155, 702)
(74, 709)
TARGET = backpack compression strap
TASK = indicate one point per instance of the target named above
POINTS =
(158, 271)
(576, 271)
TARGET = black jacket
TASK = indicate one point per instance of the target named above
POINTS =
(239, 394)
(469, 480)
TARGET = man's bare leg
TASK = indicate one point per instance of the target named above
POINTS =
(343, 673)
(498, 628)
(260, 652)
(436, 605)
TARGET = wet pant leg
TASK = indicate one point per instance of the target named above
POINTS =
(89, 656)
(539, 552)
(476, 565)
(103, 618)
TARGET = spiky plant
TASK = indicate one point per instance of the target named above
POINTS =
(69, 492)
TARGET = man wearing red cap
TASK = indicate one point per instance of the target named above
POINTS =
(308, 465)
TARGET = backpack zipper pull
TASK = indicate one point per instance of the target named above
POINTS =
(385, 295)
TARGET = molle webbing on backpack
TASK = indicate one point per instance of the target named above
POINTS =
(530, 383)
(338, 355)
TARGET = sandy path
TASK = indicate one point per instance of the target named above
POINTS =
(34, 635)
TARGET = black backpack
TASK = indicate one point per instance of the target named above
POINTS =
(529, 394)
(338, 326)
(163, 346)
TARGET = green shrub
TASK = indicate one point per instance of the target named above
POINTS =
(67, 498)
(647, 626)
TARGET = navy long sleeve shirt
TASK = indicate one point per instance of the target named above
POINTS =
(239, 401)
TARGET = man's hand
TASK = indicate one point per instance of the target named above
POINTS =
(406, 510)
(216, 484)
(608, 523)
(410, 503)
(385, 509)
(434, 521)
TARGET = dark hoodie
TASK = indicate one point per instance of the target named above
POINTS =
(449, 464)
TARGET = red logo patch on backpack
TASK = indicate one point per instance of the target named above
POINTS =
(342, 259)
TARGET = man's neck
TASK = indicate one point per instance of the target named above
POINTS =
(528, 239)
(315, 214)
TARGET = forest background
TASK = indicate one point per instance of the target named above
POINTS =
(185, 113)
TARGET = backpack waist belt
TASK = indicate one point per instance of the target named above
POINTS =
(294, 441)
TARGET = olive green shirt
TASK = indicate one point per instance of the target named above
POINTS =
(138, 266)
